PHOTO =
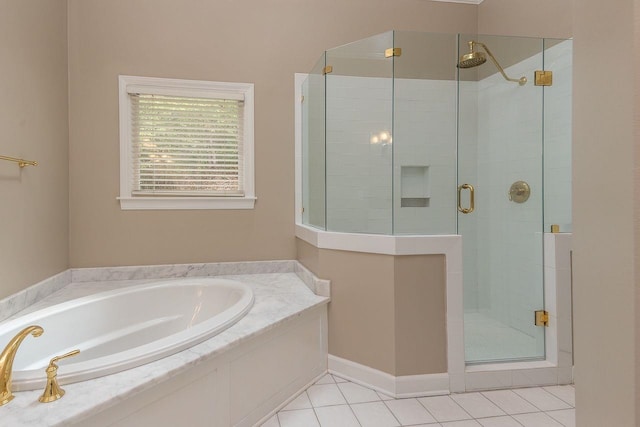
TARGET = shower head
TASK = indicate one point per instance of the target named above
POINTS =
(474, 59)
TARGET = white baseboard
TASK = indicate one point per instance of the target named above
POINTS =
(398, 387)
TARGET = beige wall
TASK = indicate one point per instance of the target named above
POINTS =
(263, 42)
(33, 120)
(539, 18)
(386, 312)
(605, 224)
(420, 301)
(636, 215)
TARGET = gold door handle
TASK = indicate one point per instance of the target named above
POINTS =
(471, 198)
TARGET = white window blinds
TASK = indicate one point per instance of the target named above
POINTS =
(186, 146)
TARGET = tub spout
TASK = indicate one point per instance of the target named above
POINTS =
(6, 361)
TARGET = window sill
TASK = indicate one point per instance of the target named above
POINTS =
(185, 203)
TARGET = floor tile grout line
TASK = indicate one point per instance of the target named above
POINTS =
(514, 419)
(346, 400)
(511, 415)
(482, 393)
(354, 415)
(456, 403)
(428, 411)
(295, 409)
(568, 403)
(545, 391)
(492, 402)
(313, 407)
(557, 410)
(530, 402)
(384, 402)
(315, 414)
(277, 418)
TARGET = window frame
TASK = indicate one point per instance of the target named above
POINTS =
(186, 88)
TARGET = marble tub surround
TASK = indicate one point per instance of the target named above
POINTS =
(318, 286)
(280, 298)
(110, 275)
(27, 297)
(180, 270)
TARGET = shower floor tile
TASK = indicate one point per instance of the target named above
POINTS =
(487, 339)
(536, 406)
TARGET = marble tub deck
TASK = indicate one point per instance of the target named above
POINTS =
(279, 297)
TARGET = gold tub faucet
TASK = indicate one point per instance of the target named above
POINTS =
(52, 390)
(6, 361)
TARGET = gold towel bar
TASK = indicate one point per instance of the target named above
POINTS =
(21, 162)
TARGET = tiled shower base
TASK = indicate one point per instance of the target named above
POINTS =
(483, 335)
(335, 402)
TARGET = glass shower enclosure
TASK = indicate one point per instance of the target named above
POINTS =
(398, 139)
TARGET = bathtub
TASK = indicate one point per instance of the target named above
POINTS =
(124, 328)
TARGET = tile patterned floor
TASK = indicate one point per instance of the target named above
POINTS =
(335, 402)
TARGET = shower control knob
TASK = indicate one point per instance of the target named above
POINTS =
(519, 192)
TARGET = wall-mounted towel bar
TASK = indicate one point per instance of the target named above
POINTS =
(21, 162)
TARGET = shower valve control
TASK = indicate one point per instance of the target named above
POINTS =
(519, 192)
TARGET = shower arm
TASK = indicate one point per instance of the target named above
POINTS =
(521, 81)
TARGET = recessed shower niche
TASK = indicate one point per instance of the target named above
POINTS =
(419, 134)
(414, 187)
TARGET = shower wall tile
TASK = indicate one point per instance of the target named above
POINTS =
(557, 119)
(558, 299)
(509, 149)
(425, 135)
(360, 173)
(551, 340)
(508, 139)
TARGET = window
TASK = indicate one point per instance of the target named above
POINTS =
(185, 144)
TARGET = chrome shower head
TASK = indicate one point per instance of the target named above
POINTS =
(472, 59)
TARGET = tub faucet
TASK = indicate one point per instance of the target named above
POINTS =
(6, 361)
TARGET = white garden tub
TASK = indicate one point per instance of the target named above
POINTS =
(124, 328)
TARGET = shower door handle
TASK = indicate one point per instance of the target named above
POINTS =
(471, 198)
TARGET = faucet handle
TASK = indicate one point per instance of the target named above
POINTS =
(52, 390)
(62, 356)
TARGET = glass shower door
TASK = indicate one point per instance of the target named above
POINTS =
(500, 208)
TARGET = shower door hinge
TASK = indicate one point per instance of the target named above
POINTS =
(392, 51)
(327, 70)
(544, 78)
(542, 318)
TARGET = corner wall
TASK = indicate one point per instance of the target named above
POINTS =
(540, 18)
(386, 312)
(33, 118)
(606, 216)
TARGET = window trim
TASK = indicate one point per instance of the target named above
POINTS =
(189, 88)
